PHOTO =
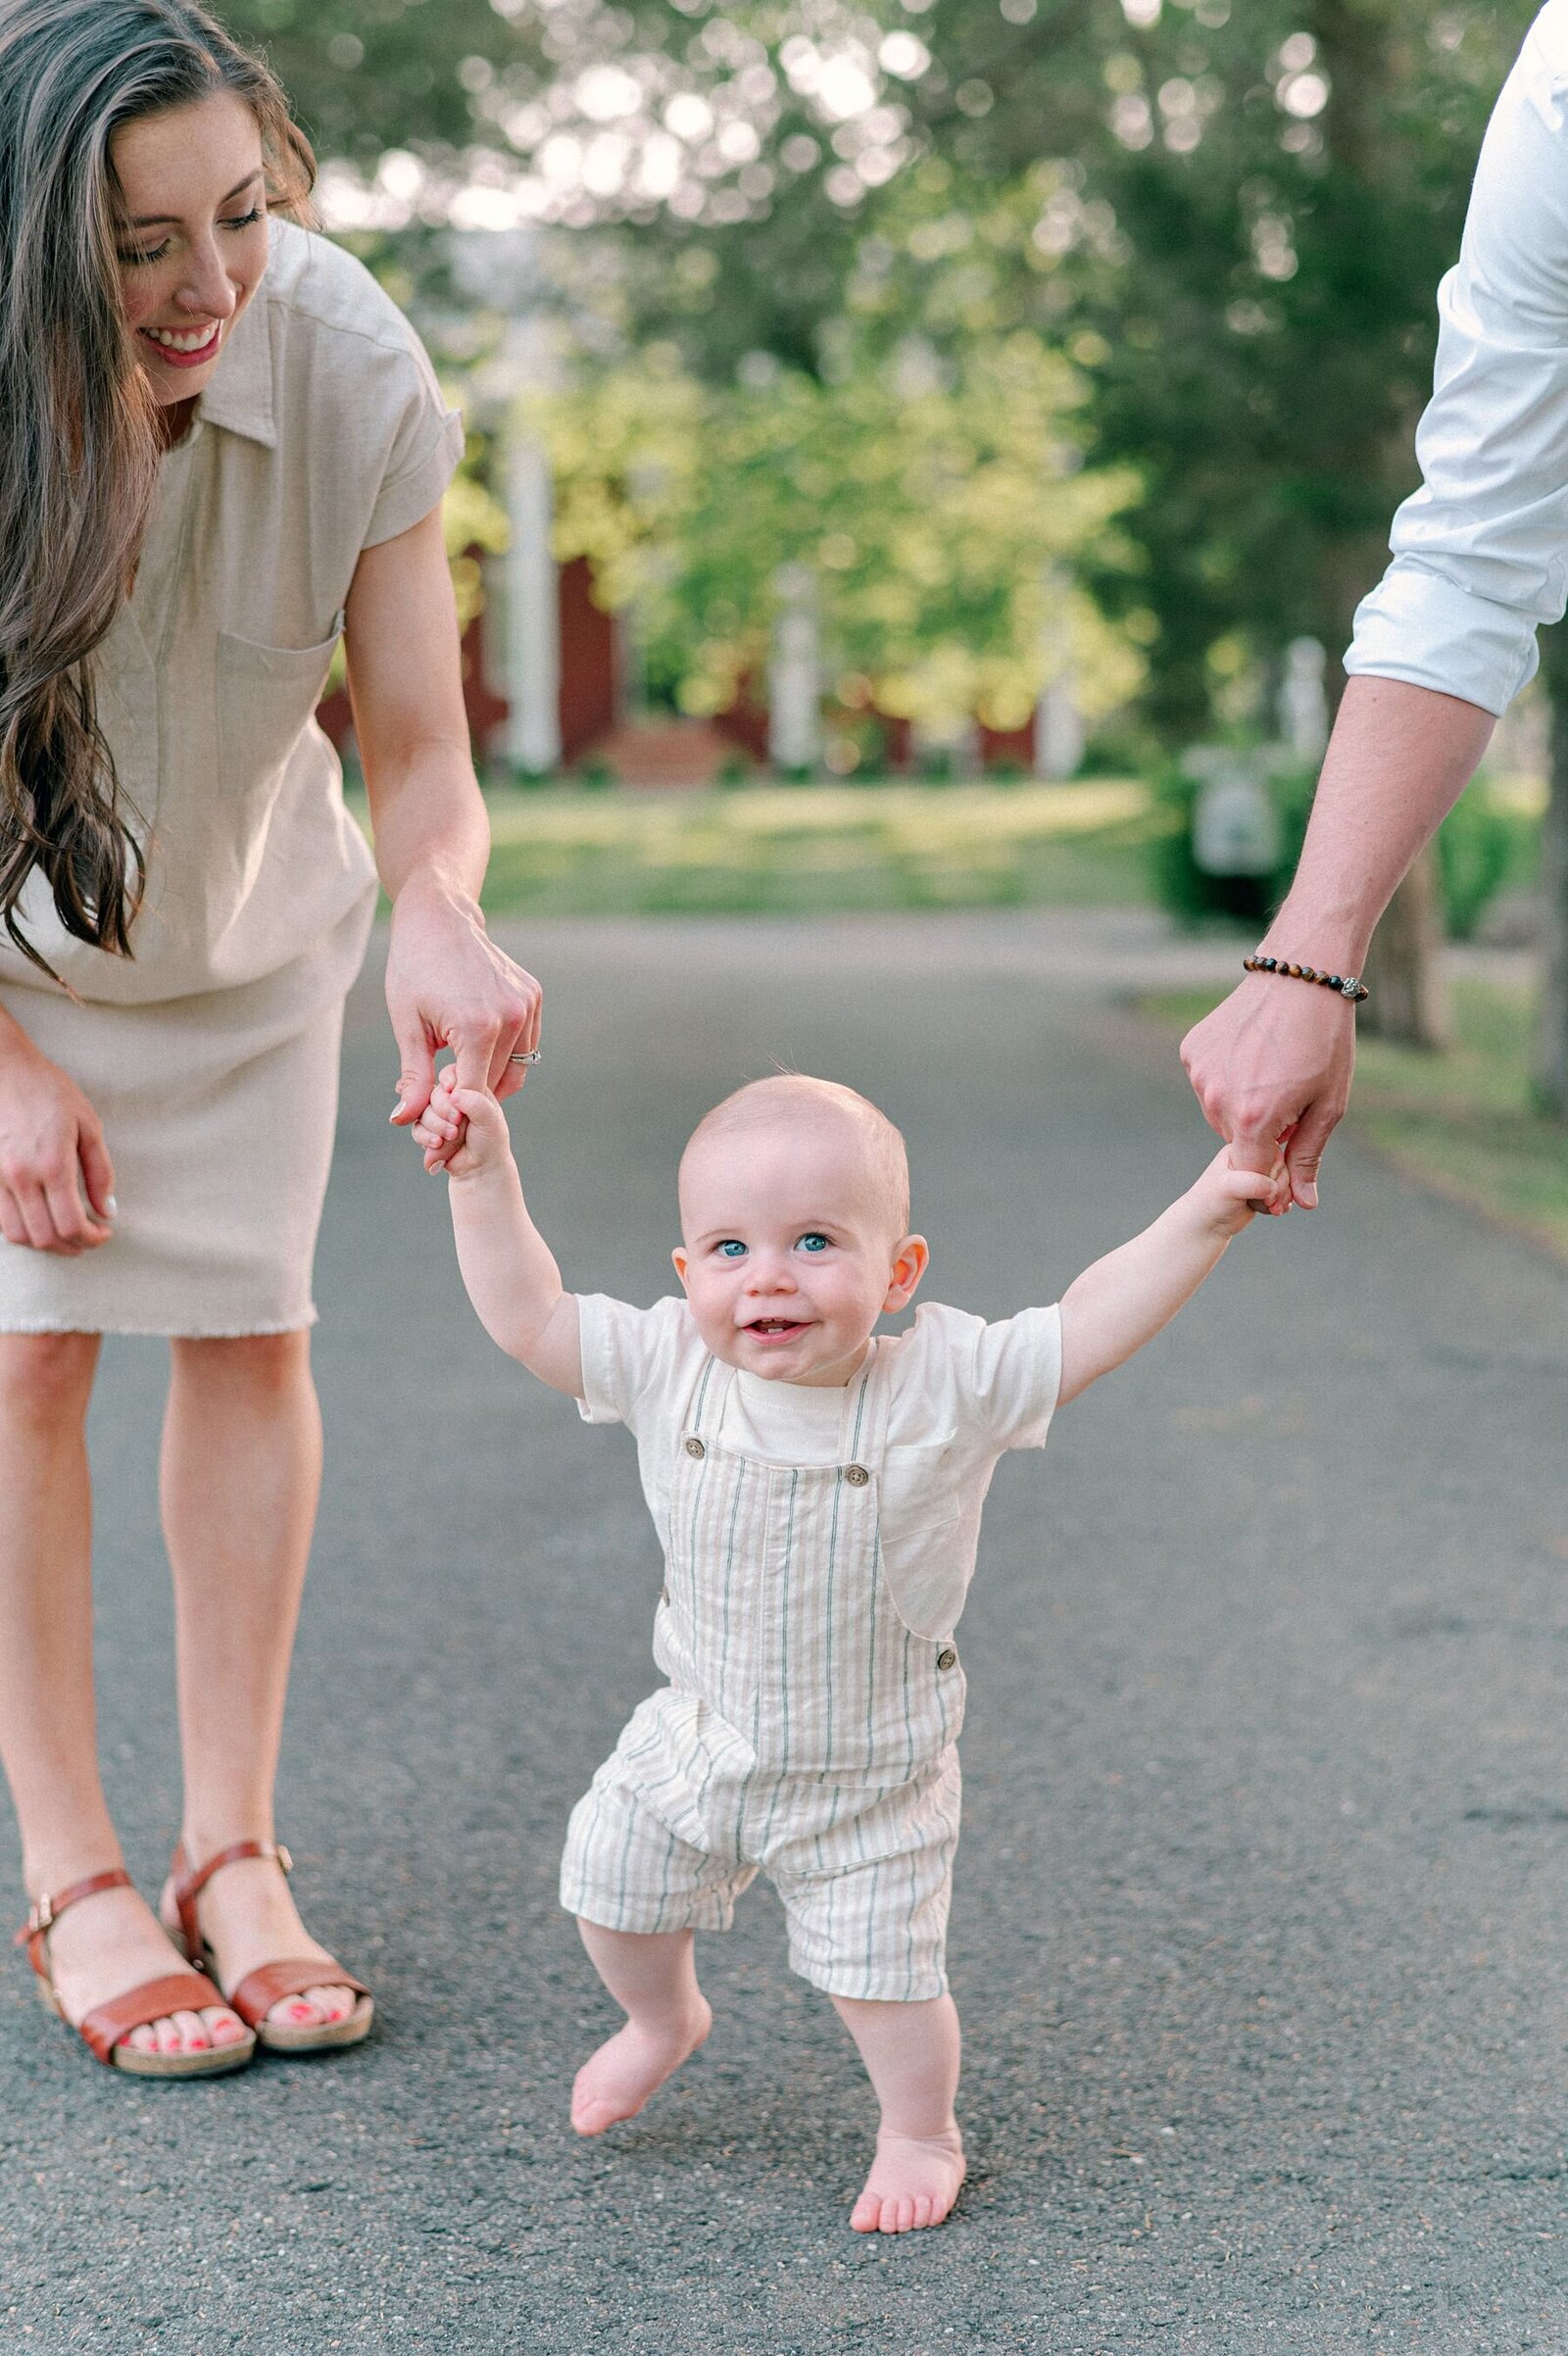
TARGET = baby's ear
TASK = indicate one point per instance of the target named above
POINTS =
(910, 1263)
(678, 1256)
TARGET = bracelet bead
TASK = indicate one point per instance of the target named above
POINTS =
(1345, 985)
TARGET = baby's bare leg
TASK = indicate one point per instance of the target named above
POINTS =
(911, 2053)
(653, 1977)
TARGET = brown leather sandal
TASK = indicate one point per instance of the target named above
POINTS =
(254, 1996)
(104, 2029)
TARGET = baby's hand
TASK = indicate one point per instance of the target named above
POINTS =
(1233, 1198)
(462, 1130)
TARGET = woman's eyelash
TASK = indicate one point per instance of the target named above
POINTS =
(243, 220)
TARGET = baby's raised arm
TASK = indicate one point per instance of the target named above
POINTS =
(1123, 1301)
(509, 1269)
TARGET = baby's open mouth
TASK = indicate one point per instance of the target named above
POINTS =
(776, 1329)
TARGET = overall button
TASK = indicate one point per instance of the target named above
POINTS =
(857, 1474)
(694, 1447)
(946, 1658)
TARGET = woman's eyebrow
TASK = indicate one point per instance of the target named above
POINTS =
(155, 221)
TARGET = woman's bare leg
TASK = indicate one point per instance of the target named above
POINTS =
(240, 1475)
(48, 1737)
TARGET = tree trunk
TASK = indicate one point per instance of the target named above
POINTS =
(1410, 1002)
(1552, 1029)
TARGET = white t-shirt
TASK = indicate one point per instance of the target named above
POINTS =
(960, 1393)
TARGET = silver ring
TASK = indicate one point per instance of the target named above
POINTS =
(535, 1054)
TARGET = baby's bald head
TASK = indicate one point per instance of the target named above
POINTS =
(793, 1107)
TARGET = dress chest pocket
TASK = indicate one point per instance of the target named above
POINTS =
(265, 698)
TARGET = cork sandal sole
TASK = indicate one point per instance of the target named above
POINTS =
(217, 2062)
(322, 2036)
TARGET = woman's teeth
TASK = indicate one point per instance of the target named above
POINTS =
(192, 341)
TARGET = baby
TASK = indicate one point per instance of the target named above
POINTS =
(817, 1490)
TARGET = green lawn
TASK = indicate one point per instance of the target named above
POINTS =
(817, 850)
(1460, 1123)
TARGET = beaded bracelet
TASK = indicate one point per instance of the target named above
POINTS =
(1348, 985)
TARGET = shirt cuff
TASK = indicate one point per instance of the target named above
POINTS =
(597, 1404)
(409, 497)
(1420, 626)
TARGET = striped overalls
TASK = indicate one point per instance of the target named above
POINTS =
(805, 1731)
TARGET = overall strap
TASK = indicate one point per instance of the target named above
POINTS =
(707, 1402)
(865, 1412)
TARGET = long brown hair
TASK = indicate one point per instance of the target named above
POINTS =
(79, 443)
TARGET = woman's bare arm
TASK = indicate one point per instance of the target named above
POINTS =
(447, 984)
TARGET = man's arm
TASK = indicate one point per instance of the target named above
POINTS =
(1278, 1055)
(1446, 639)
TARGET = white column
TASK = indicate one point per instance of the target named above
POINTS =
(795, 674)
(532, 613)
(1303, 713)
(1059, 724)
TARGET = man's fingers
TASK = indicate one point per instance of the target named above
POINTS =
(1304, 1156)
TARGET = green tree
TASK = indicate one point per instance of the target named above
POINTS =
(935, 509)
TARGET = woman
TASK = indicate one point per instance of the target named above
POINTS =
(222, 446)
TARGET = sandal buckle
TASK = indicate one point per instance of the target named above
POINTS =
(40, 1914)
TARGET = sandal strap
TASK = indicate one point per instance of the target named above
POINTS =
(47, 1908)
(104, 2028)
(190, 1882)
(256, 1994)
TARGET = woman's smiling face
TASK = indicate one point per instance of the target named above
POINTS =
(191, 236)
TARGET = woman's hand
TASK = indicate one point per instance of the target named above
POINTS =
(52, 1153)
(448, 985)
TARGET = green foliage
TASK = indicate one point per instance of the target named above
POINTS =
(1231, 215)
(925, 503)
(1489, 839)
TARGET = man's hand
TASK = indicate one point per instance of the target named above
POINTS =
(448, 985)
(1271, 1066)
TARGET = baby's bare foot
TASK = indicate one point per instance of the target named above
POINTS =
(616, 2082)
(913, 2181)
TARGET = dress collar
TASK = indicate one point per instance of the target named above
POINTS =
(240, 395)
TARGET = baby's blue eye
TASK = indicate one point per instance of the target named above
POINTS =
(732, 1251)
(813, 1241)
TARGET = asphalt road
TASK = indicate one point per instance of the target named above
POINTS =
(1261, 1929)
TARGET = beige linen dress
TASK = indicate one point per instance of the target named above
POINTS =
(211, 1055)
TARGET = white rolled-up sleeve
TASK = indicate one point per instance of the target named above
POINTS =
(1481, 550)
